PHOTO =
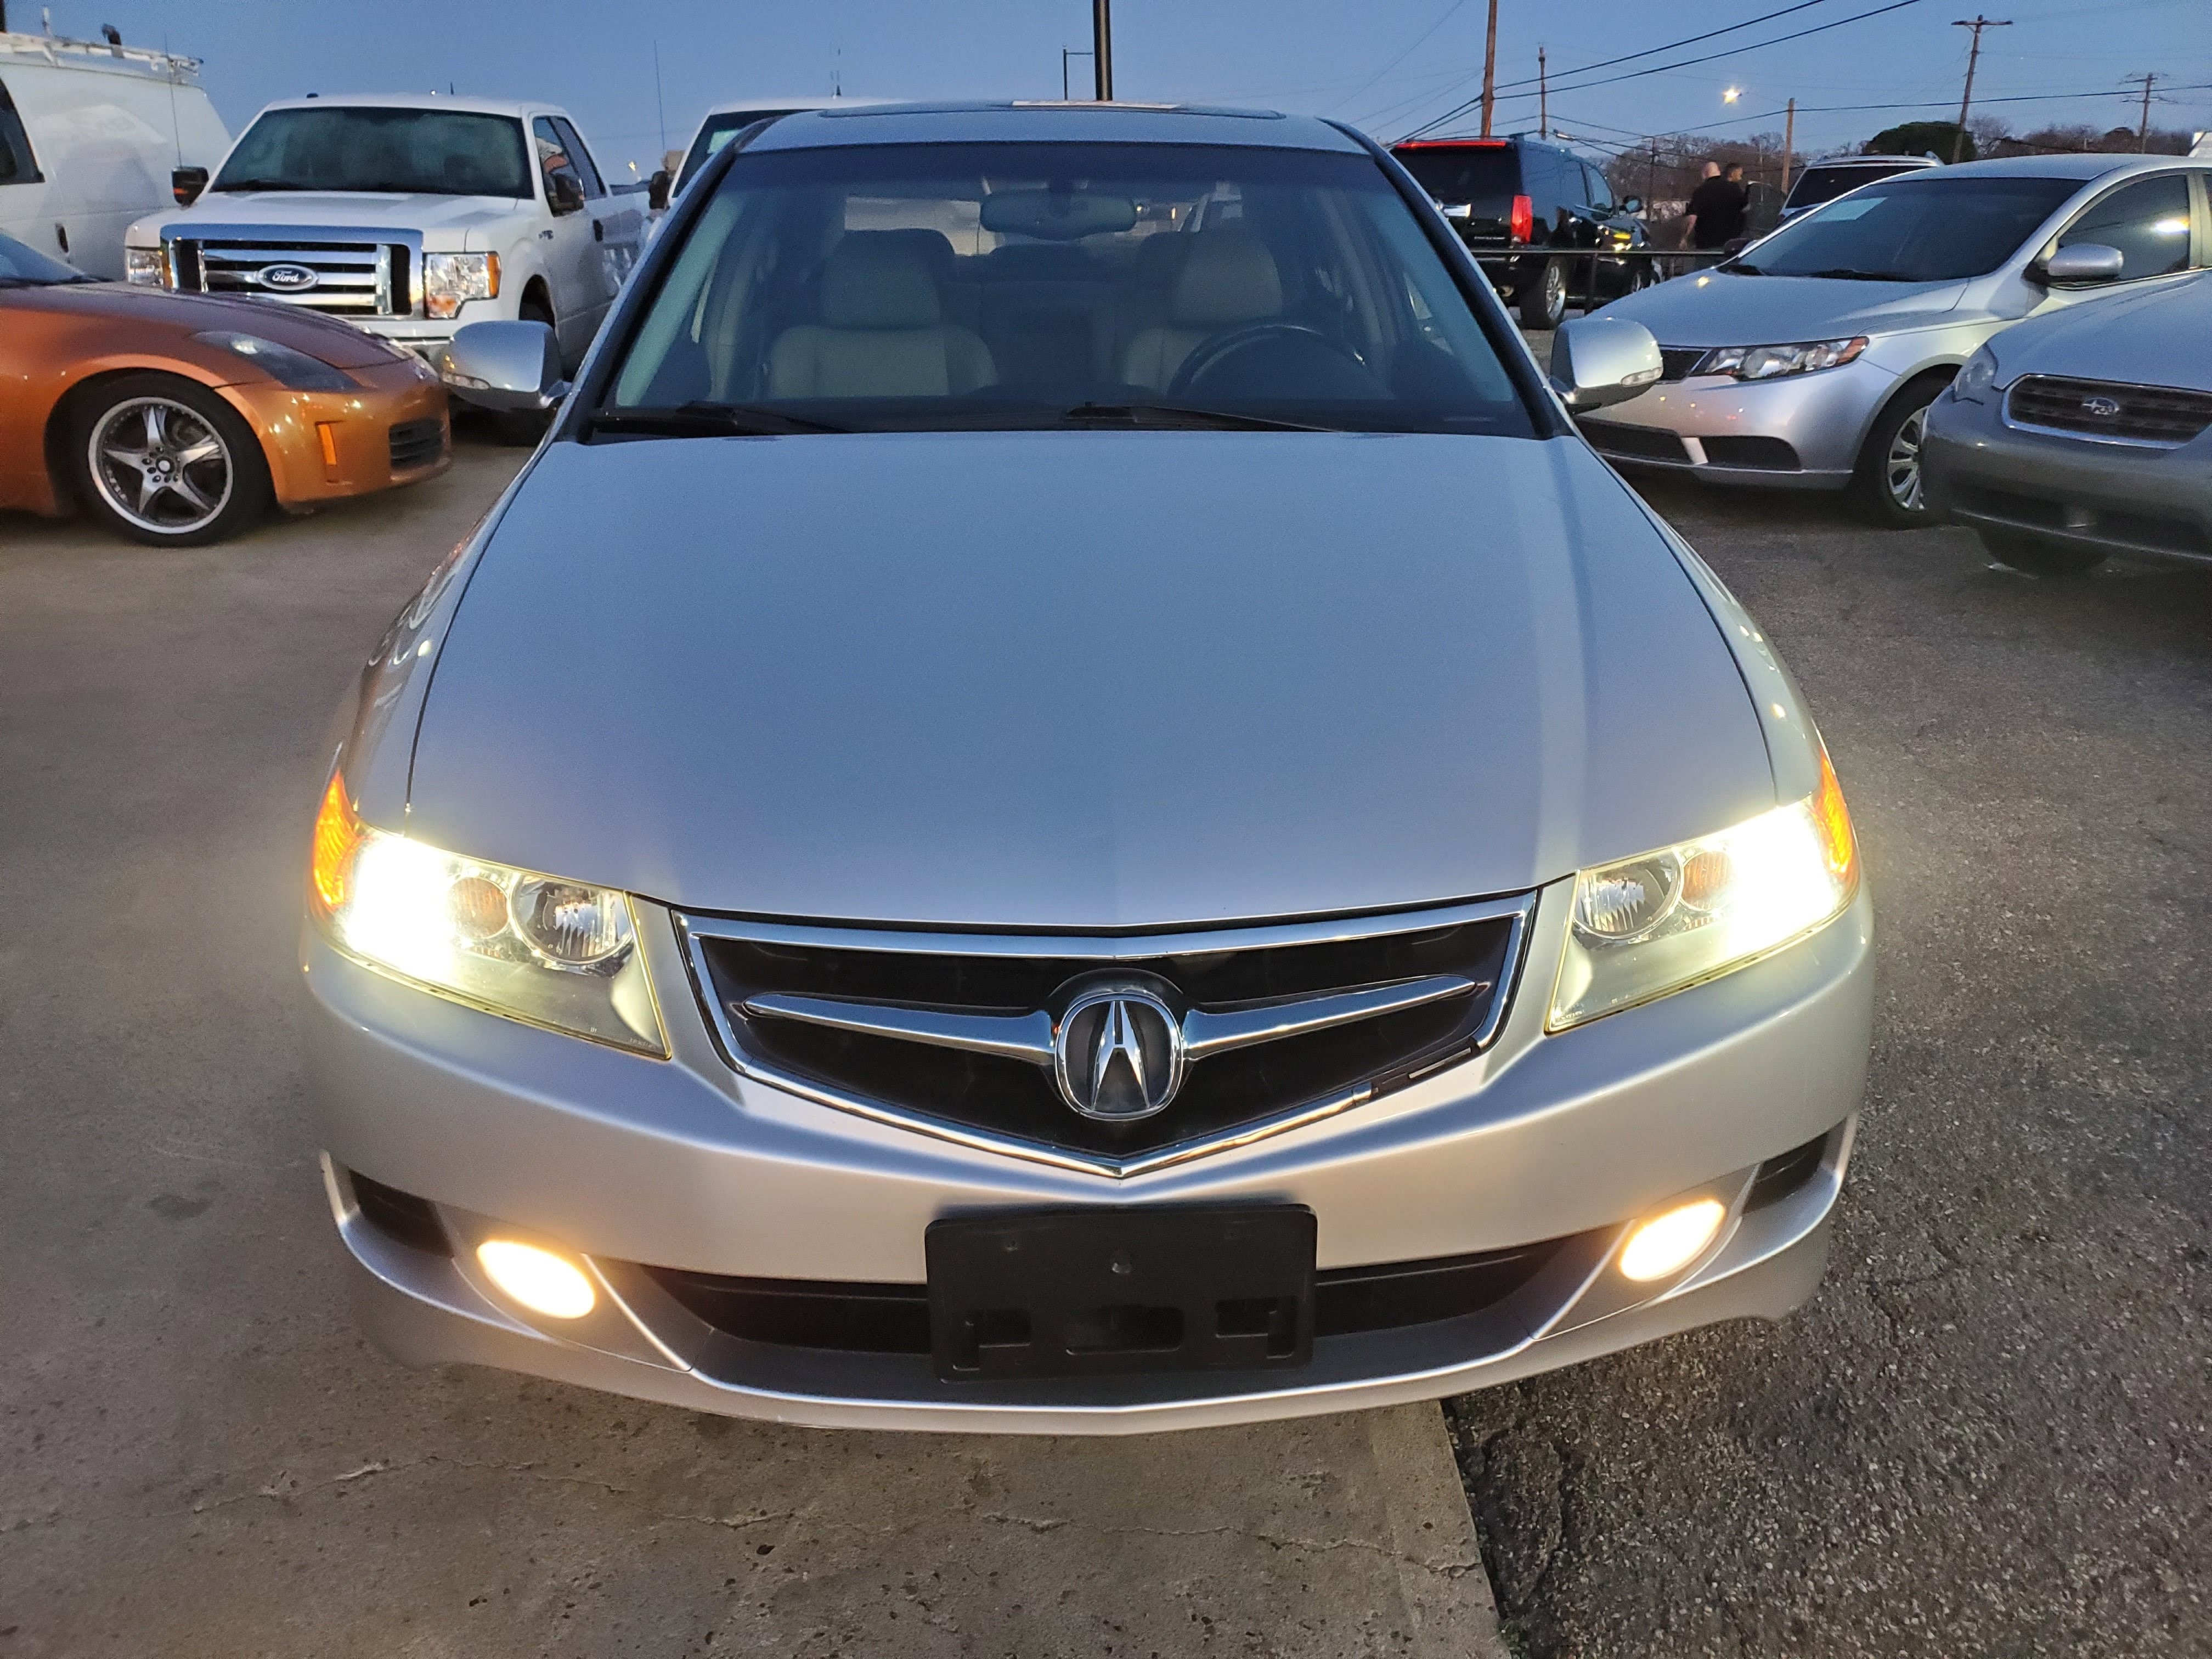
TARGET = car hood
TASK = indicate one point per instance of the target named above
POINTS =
(347, 208)
(1079, 680)
(1714, 308)
(2150, 337)
(96, 304)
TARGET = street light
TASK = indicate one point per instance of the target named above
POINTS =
(1731, 94)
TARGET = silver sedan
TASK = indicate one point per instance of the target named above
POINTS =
(1809, 361)
(1059, 880)
(2085, 435)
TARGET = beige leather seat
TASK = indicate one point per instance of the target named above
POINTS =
(1228, 277)
(882, 333)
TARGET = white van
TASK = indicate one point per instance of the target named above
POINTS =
(90, 137)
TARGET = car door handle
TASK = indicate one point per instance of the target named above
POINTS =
(545, 235)
(599, 230)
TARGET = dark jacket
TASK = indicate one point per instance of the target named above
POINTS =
(1718, 207)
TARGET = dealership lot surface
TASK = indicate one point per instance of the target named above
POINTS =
(1984, 1436)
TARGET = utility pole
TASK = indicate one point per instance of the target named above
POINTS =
(1102, 49)
(1651, 177)
(1788, 146)
(2142, 132)
(1977, 23)
(659, 103)
(1543, 98)
(1490, 69)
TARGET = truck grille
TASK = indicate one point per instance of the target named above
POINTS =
(2109, 408)
(807, 1008)
(350, 279)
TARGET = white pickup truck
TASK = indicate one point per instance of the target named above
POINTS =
(408, 216)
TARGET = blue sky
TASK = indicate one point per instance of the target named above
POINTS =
(1354, 60)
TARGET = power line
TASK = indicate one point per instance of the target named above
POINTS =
(1661, 69)
(1420, 40)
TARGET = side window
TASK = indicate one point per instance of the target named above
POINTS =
(17, 166)
(1600, 194)
(2147, 220)
(564, 187)
(582, 157)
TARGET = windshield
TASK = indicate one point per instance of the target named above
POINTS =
(1022, 285)
(24, 267)
(1817, 185)
(1486, 176)
(717, 131)
(399, 151)
(1913, 229)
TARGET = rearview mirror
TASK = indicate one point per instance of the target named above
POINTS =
(1057, 216)
(185, 184)
(1596, 361)
(505, 366)
(2084, 262)
(657, 189)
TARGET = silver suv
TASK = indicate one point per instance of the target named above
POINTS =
(1065, 881)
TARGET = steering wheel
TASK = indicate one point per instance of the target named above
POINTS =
(1209, 354)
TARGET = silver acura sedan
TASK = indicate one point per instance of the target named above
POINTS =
(1809, 361)
(1063, 801)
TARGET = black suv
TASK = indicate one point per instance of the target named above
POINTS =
(1520, 203)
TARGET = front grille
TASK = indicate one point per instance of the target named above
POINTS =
(352, 279)
(1016, 1102)
(418, 443)
(2109, 408)
(1679, 362)
(1773, 454)
(857, 1318)
(1642, 443)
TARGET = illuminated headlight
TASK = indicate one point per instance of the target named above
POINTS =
(1977, 376)
(449, 280)
(1767, 363)
(555, 953)
(287, 367)
(1674, 918)
(147, 267)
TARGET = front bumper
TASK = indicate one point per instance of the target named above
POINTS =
(2133, 499)
(1800, 431)
(363, 456)
(683, 1163)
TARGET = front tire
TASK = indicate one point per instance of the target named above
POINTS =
(1544, 301)
(164, 461)
(1887, 484)
(2039, 558)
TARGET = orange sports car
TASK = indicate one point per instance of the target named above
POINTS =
(176, 419)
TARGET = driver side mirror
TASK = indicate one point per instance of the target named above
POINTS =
(1633, 205)
(515, 366)
(1596, 361)
(563, 193)
(2084, 262)
(185, 184)
(658, 189)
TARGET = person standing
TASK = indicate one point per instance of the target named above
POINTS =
(1717, 208)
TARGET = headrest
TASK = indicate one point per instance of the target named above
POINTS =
(878, 279)
(1228, 276)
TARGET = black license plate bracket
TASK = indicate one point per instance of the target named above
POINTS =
(1105, 1293)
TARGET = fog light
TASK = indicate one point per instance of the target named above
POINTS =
(1667, 1243)
(540, 1280)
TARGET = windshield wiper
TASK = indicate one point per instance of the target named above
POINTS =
(1845, 273)
(1737, 268)
(1178, 414)
(706, 420)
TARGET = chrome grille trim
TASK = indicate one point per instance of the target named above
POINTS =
(694, 931)
(359, 272)
(2145, 417)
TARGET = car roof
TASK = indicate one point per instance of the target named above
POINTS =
(1874, 161)
(1049, 123)
(2084, 168)
(808, 101)
(416, 101)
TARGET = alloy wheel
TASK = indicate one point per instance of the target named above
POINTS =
(160, 465)
(1555, 290)
(1901, 466)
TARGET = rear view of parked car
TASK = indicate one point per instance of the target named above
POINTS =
(177, 420)
(1525, 209)
(1809, 361)
(90, 137)
(2084, 434)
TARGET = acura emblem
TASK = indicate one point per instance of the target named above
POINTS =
(2103, 408)
(286, 279)
(1117, 1053)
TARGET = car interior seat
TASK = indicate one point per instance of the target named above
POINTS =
(1228, 277)
(882, 331)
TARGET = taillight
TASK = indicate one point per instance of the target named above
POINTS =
(1524, 219)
